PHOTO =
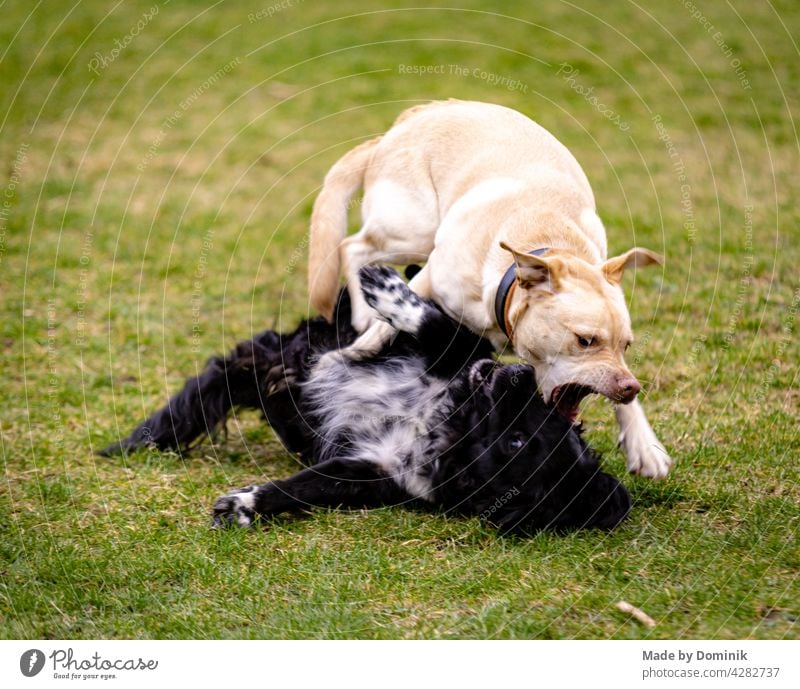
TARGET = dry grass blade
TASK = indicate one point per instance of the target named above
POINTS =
(636, 613)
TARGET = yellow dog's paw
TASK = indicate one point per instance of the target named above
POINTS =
(645, 454)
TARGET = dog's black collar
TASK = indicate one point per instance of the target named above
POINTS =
(503, 290)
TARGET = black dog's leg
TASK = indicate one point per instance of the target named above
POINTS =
(395, 303)
(251, 372)
(334, 483)
(447, 345)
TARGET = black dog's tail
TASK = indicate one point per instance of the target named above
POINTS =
(201, 407)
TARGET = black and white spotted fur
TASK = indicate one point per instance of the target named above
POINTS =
(429, 420)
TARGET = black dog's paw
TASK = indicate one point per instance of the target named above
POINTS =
(279, 379)
(235, 509)
(392, 299)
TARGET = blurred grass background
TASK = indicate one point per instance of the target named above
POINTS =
(159, 163)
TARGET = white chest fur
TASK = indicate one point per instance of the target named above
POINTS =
(386, 415)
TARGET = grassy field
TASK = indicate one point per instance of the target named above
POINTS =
(159, 162)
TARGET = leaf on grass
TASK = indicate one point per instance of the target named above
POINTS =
(773, 614)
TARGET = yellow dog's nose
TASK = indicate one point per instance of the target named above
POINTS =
(626, 390)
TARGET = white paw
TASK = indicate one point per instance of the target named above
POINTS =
(646, 455)
(235, 509)
(391, 298)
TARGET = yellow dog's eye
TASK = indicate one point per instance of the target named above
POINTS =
(585, 341)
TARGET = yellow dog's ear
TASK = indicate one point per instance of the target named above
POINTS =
(536, 271)
(613, 268)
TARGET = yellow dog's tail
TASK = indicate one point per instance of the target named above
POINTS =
(329, 225)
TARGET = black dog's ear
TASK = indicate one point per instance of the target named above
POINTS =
(599, 502)
(481, 372)
(606, 501)
(525, 520)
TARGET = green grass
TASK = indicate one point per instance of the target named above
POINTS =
(134, 246)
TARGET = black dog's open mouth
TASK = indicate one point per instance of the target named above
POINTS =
(567, 399)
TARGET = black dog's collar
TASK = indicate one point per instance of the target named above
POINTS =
(501, 299)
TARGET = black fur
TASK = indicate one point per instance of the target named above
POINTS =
(494, 449)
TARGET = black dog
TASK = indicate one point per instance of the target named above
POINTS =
(429, 420)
